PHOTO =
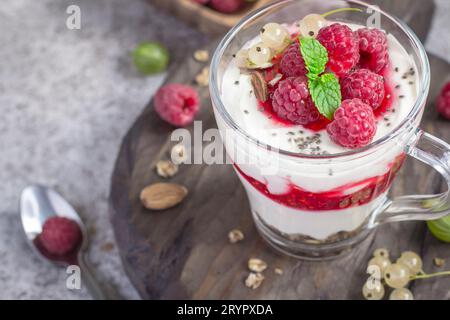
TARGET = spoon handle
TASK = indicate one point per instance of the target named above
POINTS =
(89, 280)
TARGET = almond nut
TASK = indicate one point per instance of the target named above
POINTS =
(259, 85)
(161, 196)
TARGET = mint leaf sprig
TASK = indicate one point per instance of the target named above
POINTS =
(324, 88)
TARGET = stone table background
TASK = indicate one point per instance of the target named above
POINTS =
(67, 98)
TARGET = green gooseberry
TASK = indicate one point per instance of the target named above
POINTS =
(150, 58)
(440, 228)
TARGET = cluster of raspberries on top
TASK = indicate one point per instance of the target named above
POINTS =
(358, 59)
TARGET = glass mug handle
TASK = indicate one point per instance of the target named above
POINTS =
(435, 153)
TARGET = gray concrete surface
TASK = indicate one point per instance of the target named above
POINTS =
(67, 98)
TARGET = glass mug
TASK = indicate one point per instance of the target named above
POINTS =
(353, 200)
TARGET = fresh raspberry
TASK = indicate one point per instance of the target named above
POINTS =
(177, 104)
(443, 102)
(373, 48)
(342, 46)
(292, 101)
(227, 6)
(60, 235)
(354, 124)
(292, 63)
(365, 85)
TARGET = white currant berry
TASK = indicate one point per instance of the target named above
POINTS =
(274, 35)
(311, 24)
(412, 261)
(401, 294)
(397, 275)
(241, 58)
(381, 252)
(260, 54)
(379, 262)
(373, 290)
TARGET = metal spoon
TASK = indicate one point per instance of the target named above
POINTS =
(37, 204)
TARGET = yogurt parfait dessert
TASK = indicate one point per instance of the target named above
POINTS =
(311, 109)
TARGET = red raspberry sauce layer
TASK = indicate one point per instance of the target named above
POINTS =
(334, 199)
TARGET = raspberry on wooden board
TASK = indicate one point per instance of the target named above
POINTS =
(177, 104)
(227, 6)
(443, 102)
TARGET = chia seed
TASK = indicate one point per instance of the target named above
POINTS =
(246, 112)
(236, 82)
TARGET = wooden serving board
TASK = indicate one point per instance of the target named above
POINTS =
(184, 252)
